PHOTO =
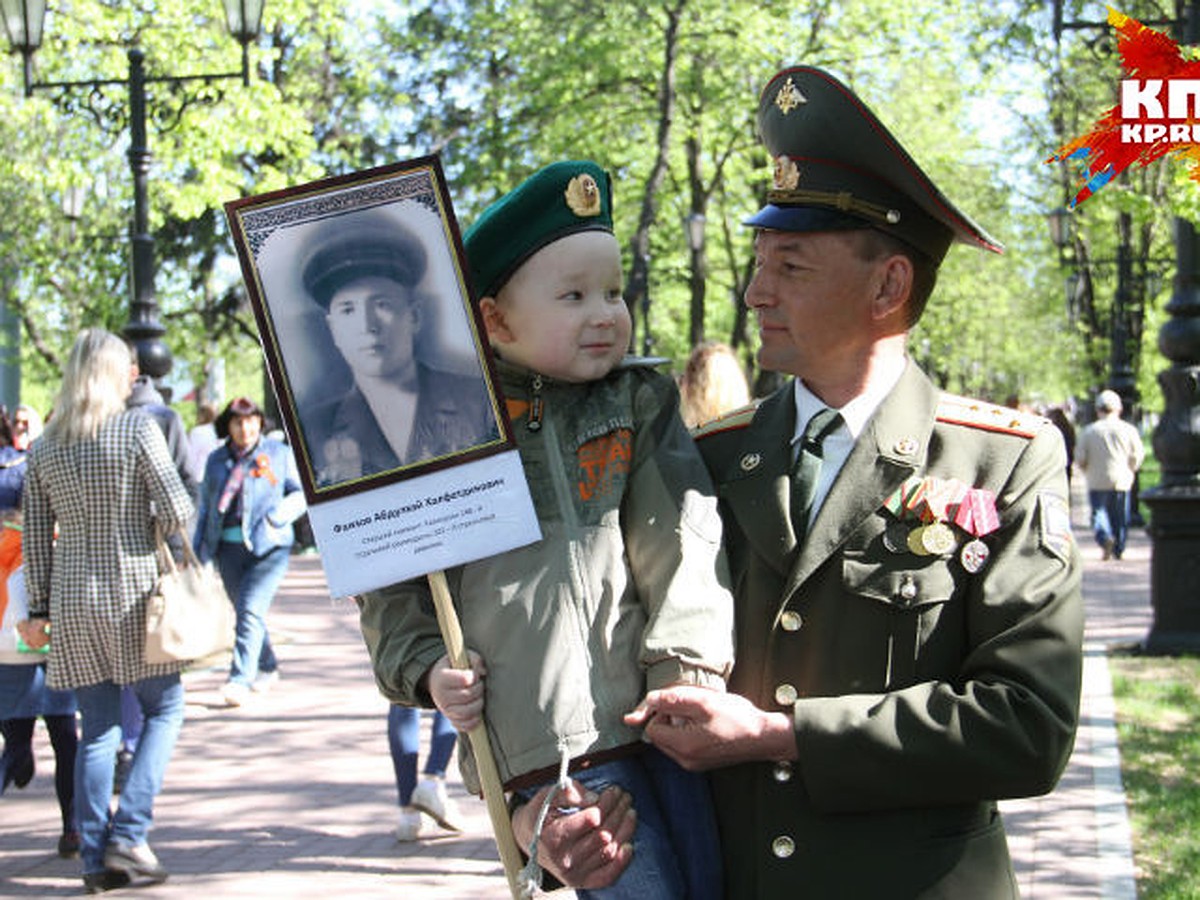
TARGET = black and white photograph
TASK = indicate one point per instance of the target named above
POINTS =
(370, 337)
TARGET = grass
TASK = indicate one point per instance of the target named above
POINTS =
(1158, 726)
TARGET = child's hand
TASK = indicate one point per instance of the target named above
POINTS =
(458, 693)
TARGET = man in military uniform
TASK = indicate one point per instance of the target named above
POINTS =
(402, 408)
(909, 619)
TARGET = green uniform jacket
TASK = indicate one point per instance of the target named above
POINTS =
(921, 693)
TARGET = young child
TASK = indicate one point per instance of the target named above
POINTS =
(627, 590)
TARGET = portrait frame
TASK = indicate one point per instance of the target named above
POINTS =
(276, 235)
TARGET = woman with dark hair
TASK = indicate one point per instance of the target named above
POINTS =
(249, 498)
(94, 476)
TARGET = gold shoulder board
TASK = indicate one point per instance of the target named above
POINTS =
(987, 416)
(730, 421)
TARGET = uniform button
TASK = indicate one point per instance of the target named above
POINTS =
(790, 621)
(785, 695)
(908, 589)
(783, 846)
(782, 771)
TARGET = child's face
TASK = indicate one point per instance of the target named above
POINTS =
(562, 313)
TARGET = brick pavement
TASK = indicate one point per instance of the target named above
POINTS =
(294, 795)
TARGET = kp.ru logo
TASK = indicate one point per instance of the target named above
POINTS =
(1159, 111)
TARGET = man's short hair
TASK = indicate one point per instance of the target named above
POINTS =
(1108, 401)
(874, 244)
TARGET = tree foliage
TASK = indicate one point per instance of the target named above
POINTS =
(663, 94)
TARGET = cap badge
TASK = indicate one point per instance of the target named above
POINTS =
(750, 462)
(583, 196)
(789, 97)
(787, 175)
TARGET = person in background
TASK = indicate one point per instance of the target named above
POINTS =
(713, 383)
(23, 692)
(202, 440)
(26, 426)
(1062, 421)
(627, 586)
(249, 498)
(429, 796)
(100, 486)
(1109, 452)
(146, 398)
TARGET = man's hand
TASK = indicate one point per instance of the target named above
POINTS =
(458, 693)
(585, 841)
(703, 729)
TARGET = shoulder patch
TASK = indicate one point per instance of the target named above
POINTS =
(731, 421)
(987, 416)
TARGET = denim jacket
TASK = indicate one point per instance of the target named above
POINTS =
(272, 498)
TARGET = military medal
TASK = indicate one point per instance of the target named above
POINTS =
(916, 541)
(974, 555)
(977, 516)
(938, 539)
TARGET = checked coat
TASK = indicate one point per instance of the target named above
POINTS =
(95, 576)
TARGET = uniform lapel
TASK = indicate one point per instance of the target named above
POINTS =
(892, 447)
(756, 484)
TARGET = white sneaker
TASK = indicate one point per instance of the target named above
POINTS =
(430, 798)
(409, 825)
(265, 681)
(234, 693)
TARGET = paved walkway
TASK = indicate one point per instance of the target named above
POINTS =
(294, 796)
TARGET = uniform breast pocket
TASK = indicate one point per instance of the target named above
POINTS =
(916, 598)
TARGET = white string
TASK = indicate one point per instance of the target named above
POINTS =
(530, 877)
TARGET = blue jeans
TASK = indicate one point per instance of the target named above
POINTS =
(251, 582)
(161, 700)
(404, 739)
(676, 849)
(1110, 518)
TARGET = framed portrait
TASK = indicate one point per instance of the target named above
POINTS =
(385, 382)
(375, 351)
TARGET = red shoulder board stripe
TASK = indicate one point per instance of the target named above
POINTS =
(730, 421)
(987, 416)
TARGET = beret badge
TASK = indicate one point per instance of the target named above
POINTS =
(583, 196)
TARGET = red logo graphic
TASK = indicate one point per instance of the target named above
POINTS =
(1159, 112)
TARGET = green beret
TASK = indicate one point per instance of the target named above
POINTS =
(347, 248)
(837, 167)
(560, 200)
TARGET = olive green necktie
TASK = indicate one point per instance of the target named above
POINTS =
(807, 467)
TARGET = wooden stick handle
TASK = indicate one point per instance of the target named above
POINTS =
(485, 763)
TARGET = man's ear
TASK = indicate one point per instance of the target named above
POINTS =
(493, 321)
(894, 287)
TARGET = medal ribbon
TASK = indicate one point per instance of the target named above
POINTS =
(977, 513)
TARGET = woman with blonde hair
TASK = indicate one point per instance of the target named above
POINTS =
(713, 383)
(94, 478)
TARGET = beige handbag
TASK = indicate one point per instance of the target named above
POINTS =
(188, 615)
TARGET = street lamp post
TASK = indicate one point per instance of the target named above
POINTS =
(23, 20)
(1121, 376)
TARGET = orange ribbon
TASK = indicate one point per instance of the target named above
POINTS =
(262, 469)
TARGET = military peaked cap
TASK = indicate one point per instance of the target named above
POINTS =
(559, 200)
(837, 167)
(346, 248)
